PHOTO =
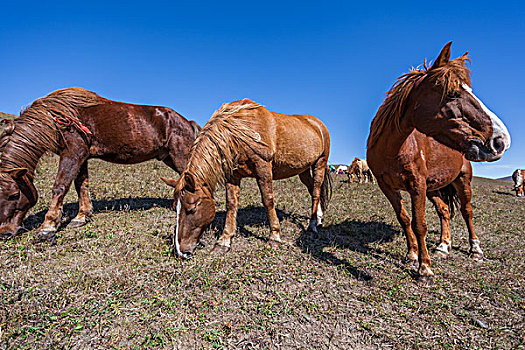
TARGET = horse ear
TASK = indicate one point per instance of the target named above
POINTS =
(170, 182)
(16, 173)
(444, 56)
(190, 183)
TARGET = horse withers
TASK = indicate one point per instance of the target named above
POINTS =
(517, 176)
(244, 139)
(77, 125)
(421, 140)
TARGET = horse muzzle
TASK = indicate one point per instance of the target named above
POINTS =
(489, 151)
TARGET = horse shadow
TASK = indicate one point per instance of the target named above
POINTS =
(70, 210)
(354, 235)
(503, 193)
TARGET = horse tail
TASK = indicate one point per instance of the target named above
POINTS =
(326, 190)
(449, 195)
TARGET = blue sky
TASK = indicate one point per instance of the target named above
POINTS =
(332, 59)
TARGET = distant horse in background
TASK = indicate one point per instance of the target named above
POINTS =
(244, 139)
(421, 140)
(359, 169)
(517, 177)
(78, 124)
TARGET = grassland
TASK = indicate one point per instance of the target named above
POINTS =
(113, 283)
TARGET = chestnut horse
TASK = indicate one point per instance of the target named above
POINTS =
(77, 124)
(421, 140)
(244, 139)
(517, 177)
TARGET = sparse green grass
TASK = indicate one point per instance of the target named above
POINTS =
(113, 284)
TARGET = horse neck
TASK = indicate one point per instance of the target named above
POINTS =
(22, 151)
(393, 138)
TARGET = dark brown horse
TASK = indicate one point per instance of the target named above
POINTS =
(421, 140)
(517, 177)
(77, 124)
(244, 139)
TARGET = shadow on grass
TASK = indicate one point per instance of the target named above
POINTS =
(70, 210)
(354, 235)
(504, 193)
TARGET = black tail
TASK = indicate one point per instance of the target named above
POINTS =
(450, 196)
(326, 190)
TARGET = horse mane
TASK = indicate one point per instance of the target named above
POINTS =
(214, 154)
(449, 77)
(34, 132)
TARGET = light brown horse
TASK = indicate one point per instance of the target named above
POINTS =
(517, 177)
(244, 139)
(421, 139)
(77, 124)
(359, 170)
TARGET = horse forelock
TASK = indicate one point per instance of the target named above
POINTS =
(449, 77)
(214, 154)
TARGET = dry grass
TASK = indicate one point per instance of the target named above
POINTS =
(113, 283)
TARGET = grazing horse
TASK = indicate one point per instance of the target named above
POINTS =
(517, 177)
(359, 169)
(77, 124)
(244, 139)
(421, 140)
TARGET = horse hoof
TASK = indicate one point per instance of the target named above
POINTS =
(46, 236)
(440, 255)
(425, 281)
(476, 256)
(274, 244)
(77, 223)
(220, 249)
(6, 235)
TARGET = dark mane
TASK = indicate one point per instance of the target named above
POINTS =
(26, 138)
(449, 77)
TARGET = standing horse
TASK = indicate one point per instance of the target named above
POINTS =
(244, 139)
(517, 177)
(421, 139)
(77, 124)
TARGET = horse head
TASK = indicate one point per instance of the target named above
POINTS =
(195, 210)
(443, 105)
(17, 196)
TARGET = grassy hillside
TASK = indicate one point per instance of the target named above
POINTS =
(113, 283)
(6, 116)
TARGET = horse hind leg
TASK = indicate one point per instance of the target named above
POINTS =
(442, 209)
(85, 207)
(314, 182)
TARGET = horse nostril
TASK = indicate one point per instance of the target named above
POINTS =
(186, 255)
(498, 144)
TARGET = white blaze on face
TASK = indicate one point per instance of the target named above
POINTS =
(498, 128)
(177, 246)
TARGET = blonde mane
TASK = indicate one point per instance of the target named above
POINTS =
(26, 138)
(215, 152)
(449, 77)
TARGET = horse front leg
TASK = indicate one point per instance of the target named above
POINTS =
(233, 191)
(445, 245)
(419, 226)
(395, 199)
(464, 190)
(265, 183)
(85, 208)
(68, 168)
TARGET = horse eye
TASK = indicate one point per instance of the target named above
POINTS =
(453, 95)
(191, 210)
(14, 197)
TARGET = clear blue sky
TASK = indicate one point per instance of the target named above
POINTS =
(332, 59)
